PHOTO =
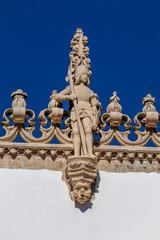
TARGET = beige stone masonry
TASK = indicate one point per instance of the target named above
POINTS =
(54, 157)
(78, 155)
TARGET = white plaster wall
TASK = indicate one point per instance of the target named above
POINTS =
(35, 205)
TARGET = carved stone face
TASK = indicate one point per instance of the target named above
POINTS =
(82, 193)
(82, 75)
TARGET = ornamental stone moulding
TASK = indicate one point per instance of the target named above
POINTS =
(78, 154)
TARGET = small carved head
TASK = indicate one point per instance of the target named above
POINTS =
(82, 192)
(82, 74)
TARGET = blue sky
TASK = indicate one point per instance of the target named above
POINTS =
(124, 42)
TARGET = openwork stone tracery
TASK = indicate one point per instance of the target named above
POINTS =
(83, 155)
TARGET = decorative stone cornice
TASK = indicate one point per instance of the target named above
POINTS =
(78, 154)
(54, 157)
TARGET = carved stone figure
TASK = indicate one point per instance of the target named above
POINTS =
(89, 109)
(85, 110)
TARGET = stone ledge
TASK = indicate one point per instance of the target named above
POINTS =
(53, 157)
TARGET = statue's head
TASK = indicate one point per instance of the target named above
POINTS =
(82, 74)
(82, 192)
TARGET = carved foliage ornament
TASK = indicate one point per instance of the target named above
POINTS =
(83, 119)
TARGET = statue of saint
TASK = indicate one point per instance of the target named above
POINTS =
(89, 109)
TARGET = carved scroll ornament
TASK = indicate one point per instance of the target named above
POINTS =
(82, 120)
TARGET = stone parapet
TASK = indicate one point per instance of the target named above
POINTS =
(54, 157)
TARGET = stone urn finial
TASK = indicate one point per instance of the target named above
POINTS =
(19, 106)
(56, 109)
(151, 119)
(115, 111)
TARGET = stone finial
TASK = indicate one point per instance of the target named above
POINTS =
(55, 108)
(151, 119)
(149, 102)
(149, 116)
(19, 106)
(19, 92)
(114, 116)
(79, 53)
(114, 98)
(149, 99)
(114, 105)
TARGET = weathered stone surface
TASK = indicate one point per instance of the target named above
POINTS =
(26, 156)
(83, 120)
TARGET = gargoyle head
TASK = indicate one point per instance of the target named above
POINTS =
(82, 192)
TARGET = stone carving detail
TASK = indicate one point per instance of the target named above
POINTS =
(149, 116)
(85, 110)
(83, 120)
(19, 106)
(114, 118)
(19, 114)
(89, 111)
(81, 173)
(149, 119)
